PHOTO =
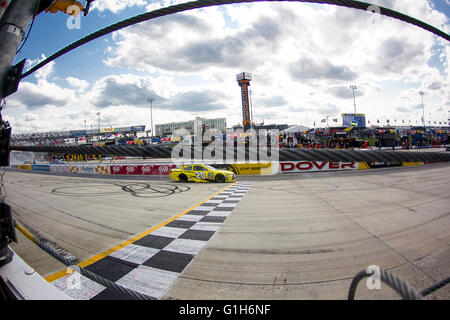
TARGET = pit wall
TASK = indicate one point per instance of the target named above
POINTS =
(164, 169)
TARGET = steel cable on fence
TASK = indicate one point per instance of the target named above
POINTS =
(394, 282)
(88, 274)
(208, 3)
(401, 287)
(435, 287)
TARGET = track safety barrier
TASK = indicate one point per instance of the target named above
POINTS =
(126, 292)
(258, 168)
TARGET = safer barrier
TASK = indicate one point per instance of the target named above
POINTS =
(285, 154)
(259, 168)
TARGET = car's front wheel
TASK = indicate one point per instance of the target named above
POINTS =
(183, 178)
(220, 178)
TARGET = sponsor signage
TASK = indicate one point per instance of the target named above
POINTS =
(243, 76)
(101, 169)
(138, 128)
(157, 169)
(251, 168)
(86, 169)
(59, 168)
(150, 170)
(353, 120)
(40, 167)
(78, 133)
(307, 166)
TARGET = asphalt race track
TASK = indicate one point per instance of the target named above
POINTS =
(296, 236)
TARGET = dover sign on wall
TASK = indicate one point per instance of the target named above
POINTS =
(305, 166)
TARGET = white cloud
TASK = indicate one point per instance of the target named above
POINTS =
(39, 95)
(115, 6)
(77, 84)
(30, 117)
(303, 58)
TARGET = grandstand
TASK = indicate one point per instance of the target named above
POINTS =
(76, 136)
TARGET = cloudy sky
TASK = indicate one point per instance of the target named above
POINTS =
(303, 58)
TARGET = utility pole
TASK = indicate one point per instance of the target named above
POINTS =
(353, 87)
(151, 113)
(423, 110)
(98, 117)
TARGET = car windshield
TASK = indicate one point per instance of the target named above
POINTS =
(210, 167)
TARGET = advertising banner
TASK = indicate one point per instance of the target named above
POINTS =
(377, 165)
(158, 169)
(125, 169)
(74, 169)
(86, 169)
(59, 168)
(78, 133)
(138, 128)
(250, 168)
(24, 166)
(309, 166)
(40, 167)
(353, 120)
(150, 170)
(102, 169)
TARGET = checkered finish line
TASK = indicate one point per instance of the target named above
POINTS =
(151, 264)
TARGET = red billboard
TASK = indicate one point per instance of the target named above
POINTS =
(148, 170)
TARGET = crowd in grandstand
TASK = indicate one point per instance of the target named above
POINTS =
(341, 138)
(364, 138)
(64, 138)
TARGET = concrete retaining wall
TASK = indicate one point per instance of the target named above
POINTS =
(164, 169)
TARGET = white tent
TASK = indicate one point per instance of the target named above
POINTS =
(298, 128)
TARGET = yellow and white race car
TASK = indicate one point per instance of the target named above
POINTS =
(201, 173)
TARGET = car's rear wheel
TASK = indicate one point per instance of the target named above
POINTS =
(183, 178)
(220, 178)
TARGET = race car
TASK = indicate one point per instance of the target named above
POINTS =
(201, 173)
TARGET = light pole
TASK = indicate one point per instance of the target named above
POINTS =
(423, 110)
(353, 88)
(98, 115)
(151, 113)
